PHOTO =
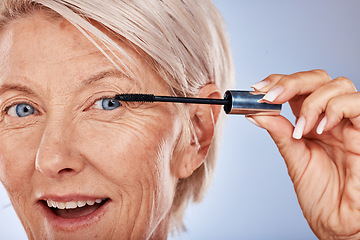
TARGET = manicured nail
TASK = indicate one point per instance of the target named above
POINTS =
(321, 126)
(260, 85)
(250, 119)
(299, 128)
(273, 94)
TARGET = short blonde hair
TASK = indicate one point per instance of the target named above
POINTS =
(186, 40)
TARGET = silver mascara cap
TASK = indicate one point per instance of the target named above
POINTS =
(246, 102)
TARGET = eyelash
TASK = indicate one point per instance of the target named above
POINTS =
(102, 98)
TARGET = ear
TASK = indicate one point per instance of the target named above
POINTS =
(203, 118)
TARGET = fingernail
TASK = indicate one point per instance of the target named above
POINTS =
(321, 126)
(273, 94)
(299, 128)
(260, 85)
(253, 121)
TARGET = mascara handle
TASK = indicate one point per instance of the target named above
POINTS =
(246, 102)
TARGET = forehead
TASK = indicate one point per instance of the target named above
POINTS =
(39, 45)
(36, 36)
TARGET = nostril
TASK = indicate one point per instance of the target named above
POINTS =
(66, 170)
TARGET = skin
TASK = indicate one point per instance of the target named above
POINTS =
(72, 146)
(323, 167)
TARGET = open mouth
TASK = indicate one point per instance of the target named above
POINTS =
(75, 209)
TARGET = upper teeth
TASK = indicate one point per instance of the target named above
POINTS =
(73, 204)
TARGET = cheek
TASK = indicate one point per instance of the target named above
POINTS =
(130, 152)
(17, 157)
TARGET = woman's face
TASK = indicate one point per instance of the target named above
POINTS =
(65, 142)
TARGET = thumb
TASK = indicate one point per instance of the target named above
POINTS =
(294, 151)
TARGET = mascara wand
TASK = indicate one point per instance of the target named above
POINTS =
(235, 102)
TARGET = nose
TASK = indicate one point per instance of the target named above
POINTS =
(57, 155)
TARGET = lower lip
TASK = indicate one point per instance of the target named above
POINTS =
(72, 224)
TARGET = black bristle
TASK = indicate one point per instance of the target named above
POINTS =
(135, 97)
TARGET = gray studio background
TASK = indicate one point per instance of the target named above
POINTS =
(251, 196)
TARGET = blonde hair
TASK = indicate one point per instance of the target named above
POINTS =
(185, 39)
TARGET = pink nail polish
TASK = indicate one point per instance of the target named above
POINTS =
(273, 94)
(260, 85)
(321, 126)
(299, 128)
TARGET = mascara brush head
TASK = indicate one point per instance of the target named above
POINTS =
(135, 97)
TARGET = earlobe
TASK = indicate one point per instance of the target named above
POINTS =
(203, 119)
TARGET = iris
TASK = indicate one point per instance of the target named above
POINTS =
(109, 103)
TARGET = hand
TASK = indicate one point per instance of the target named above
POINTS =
(322, 153)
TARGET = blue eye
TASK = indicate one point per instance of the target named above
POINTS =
(107, 104)
(21, 110)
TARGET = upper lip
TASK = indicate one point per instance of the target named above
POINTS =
(70, 197)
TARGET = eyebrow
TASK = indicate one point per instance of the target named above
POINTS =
(104, 74)
(7, 87)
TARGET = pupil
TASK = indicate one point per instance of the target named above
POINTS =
(111, 103)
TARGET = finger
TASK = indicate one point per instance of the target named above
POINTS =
(295, 152)
(344, 106)
(300, 83)
(268, 82)
(315, 104)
